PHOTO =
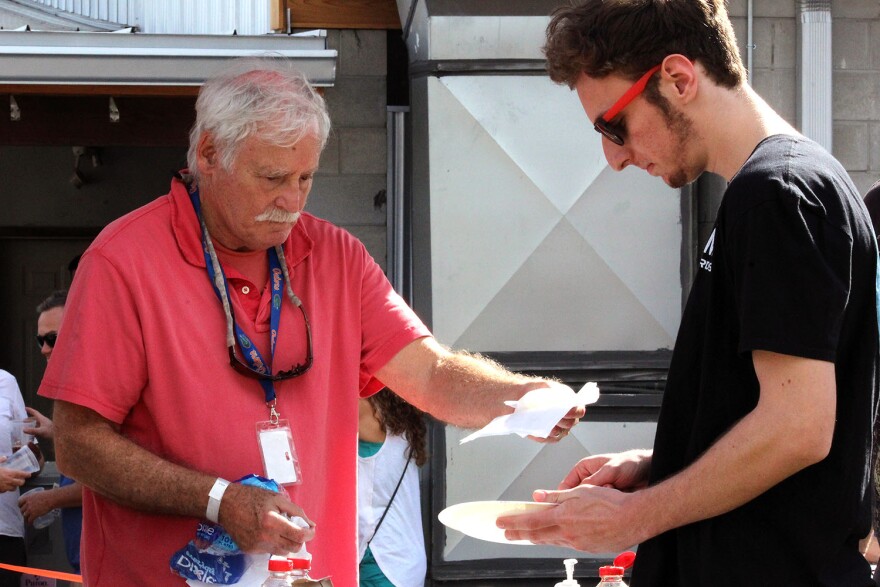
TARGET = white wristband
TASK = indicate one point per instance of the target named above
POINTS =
(214, 497)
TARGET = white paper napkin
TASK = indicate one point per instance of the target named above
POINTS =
(538, 411)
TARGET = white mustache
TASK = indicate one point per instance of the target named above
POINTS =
(277, 215)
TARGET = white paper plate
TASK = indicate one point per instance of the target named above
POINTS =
(477, 518)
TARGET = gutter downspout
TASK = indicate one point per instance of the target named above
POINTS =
(397, 253)
(750, 42)
(815, 103)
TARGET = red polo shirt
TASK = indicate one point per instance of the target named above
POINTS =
(144, 346)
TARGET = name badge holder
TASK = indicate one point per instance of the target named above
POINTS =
(279, 454)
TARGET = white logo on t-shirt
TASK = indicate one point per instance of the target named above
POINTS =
(707, 251)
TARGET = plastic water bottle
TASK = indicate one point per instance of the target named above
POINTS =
(46, 519)
(279, 573)
(611, 576)
(299, 570)
(301, 560)
(300, 565)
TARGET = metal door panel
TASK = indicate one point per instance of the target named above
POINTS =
(518, 186)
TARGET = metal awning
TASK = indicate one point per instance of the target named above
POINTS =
(133, 59)
(34, 16)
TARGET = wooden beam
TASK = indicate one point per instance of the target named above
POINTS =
(277, 10)
(344, 14)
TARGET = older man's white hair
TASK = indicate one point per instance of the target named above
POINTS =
(263, 96)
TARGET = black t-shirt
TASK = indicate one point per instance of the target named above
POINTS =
(791, 267)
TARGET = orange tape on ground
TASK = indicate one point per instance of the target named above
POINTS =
(44, 573)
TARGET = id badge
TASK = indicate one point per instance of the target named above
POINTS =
(279, 455)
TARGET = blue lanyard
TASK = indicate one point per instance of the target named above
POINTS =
(249, 350)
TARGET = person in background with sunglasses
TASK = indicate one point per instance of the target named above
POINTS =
(49, 313)
(222, 331)
(761, 466)
(68, 495)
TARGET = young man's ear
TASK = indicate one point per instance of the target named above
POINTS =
(683, 72)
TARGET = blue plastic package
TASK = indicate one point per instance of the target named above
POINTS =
(213, 556)
(223, 569)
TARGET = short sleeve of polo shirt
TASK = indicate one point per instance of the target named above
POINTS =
(790, 269)
(389, 324)
(100, 318)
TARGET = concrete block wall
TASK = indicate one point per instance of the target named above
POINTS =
(774, 52)
(354, 165)
(856, 59)
(856, 82)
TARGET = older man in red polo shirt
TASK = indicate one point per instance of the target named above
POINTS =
(221, 331)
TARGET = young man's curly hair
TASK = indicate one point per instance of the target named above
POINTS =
(629, 37)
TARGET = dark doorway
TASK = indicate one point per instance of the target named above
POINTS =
(30, 269)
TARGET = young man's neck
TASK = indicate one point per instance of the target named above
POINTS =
(737, 120)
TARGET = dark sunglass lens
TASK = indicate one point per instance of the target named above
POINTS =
(608, 132)
(48, 338)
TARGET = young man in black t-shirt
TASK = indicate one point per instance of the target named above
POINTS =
(760, 472)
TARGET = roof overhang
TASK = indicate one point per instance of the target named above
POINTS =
(37, 58)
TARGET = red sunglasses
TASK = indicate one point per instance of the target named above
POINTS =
(603, 124)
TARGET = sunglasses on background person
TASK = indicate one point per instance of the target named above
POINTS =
(604, 126)
(49, 338)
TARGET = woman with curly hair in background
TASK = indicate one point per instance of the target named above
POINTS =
(391, 447)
